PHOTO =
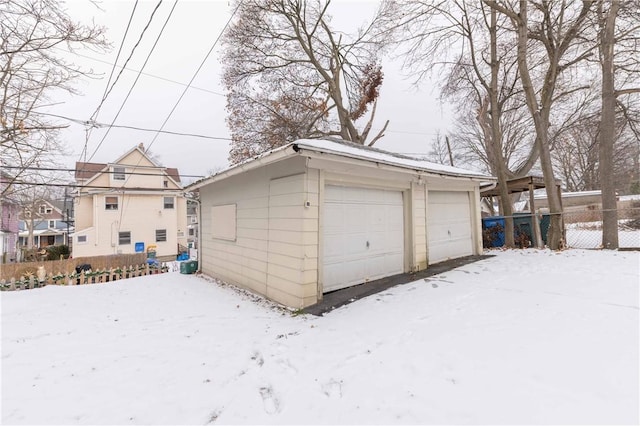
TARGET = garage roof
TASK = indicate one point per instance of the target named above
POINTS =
(315, 147)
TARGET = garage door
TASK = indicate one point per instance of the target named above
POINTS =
(363, 233)
(448, 225)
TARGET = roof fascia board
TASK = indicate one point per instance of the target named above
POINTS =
(380, 164)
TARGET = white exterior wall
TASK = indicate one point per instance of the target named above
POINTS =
(419, 228)
(141, 215)
(266, 256)
(277, 251)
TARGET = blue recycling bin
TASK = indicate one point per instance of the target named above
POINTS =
(497, 234)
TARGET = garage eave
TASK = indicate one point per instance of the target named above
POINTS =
(354, 154)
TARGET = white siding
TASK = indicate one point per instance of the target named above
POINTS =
(275, 251)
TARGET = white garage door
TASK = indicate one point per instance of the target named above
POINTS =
(363, 235)
(449, 225)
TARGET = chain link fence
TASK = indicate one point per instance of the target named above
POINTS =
(583, 227)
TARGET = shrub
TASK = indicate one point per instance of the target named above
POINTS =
(55, 252)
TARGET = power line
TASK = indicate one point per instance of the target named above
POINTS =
(197, 71)
(137, 78)
(122, 126)
(94, 116)
(57, 169)
(74, 185)
(146, 73)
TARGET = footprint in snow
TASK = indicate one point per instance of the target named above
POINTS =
(270, 403)
(257, 357)
(332, 389)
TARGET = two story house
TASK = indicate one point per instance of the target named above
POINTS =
(130, 205)
(44, 223)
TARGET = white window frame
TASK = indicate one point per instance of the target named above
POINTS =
(81, 239)
(167, 205)
(160, 233)
(52, 223)
(110, 206)
(119, 173)
(122, 238)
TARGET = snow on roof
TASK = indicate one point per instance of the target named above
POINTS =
(349, 149)
(572, 194)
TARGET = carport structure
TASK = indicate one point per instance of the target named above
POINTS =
(519, 185)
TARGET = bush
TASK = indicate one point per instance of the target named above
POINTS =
(55, 252)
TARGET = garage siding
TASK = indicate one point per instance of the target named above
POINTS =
(292, 271)
(419, 203)
(244, 262)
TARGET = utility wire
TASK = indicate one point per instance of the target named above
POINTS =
(122, 126)
(145, 73)
(196, 73)
(58, 169)
(94, 116)
(137, 78)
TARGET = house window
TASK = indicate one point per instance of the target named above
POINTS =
(111, 203)
(118, 173)
(161, 235)
(80, 239)
(124, 238)
(165, 184)
(52, 224)
(194, 219)
(44, 209)
(168, 202)
(191, 232)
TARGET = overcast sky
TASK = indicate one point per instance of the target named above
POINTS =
(415, 114)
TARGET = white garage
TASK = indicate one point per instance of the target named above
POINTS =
(363, 235)
(449, 226)
(316, 216)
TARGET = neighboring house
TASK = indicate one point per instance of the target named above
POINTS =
(132, 204)
(9, 227)
(192, 224)
(49, 222)
(316, 216)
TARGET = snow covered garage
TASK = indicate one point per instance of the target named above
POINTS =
(319, 215)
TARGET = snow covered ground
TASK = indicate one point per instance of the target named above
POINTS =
(525, 337)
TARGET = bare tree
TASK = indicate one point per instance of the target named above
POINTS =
(33, 36)
(559, 27)
(619, 62)
(290, 75)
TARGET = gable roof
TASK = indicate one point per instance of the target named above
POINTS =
(344, 149)
(87, 171)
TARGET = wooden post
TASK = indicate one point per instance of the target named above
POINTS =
(537, 235)
(12, 285)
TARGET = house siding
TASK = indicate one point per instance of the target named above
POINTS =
(139, 212)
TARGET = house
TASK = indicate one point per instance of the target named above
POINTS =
(130, 205)
(192, 224)
(46, 222)
(316, 216)
(9, 228)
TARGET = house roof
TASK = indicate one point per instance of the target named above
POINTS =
(307, 147)
(86, 171)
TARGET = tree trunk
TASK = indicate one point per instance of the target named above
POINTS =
(607, 130)
(496, 137)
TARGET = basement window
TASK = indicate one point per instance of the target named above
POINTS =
(161, 235)
(124, 238)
